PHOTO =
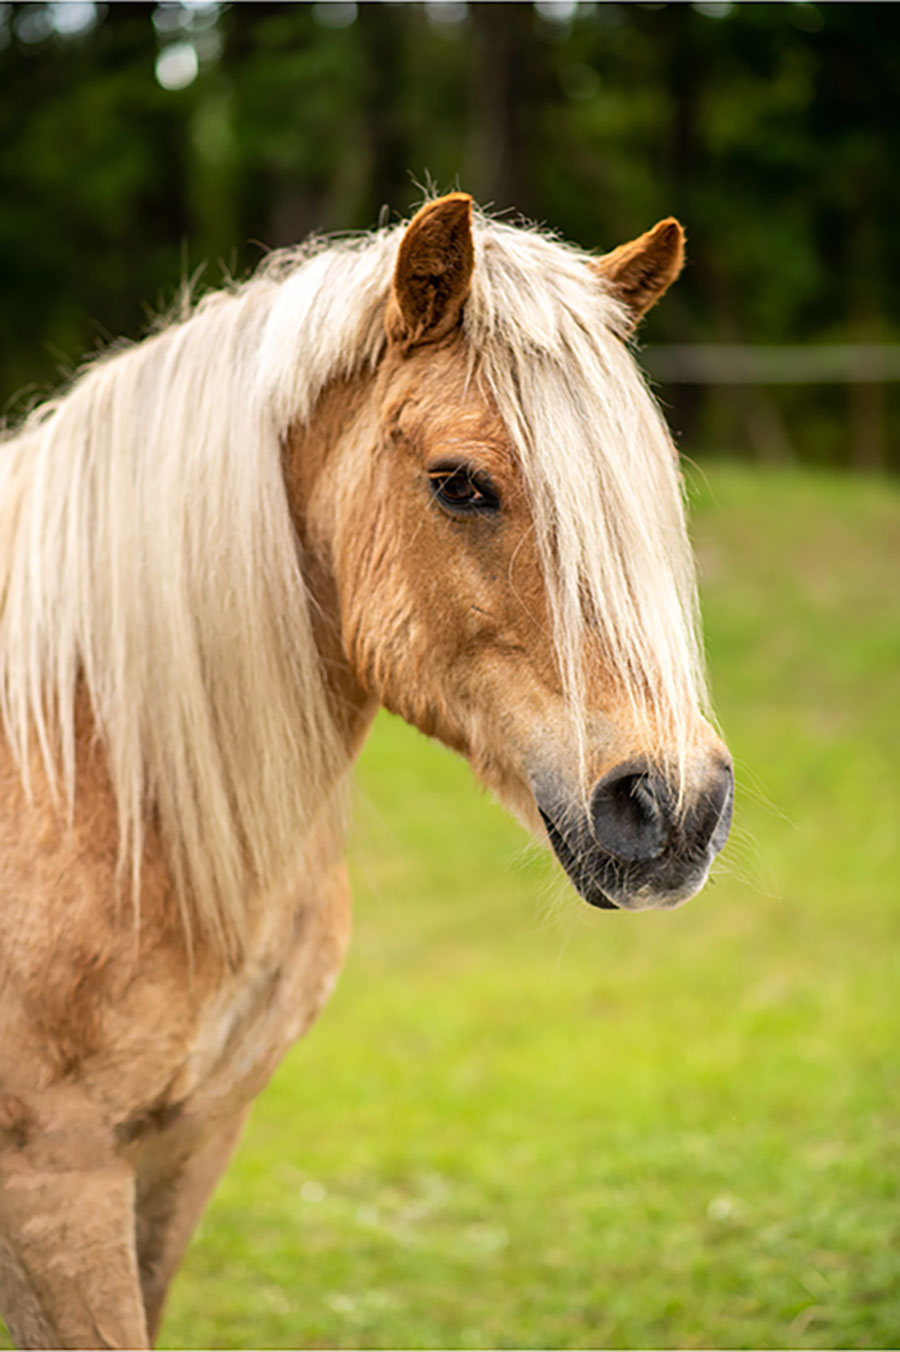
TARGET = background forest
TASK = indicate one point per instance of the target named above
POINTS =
(141, 142)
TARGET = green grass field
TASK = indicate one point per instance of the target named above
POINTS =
(524, 1123)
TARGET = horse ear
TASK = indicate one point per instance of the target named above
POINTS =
(433, 272)
(639, 272)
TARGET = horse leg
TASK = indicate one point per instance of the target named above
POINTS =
(171, 1198)
(68, 1268)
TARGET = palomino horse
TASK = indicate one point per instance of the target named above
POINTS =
(418, 469)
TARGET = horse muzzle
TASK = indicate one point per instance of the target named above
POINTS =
(634, 847)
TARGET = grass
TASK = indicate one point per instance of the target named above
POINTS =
(523, 1123)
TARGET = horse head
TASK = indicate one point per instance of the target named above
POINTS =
(499, 513)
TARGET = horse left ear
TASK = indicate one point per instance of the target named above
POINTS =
(433, 272)
(639, 272)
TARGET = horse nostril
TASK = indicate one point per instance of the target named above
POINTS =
(630, 816)
(713, 819)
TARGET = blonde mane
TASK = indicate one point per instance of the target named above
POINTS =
(605, 491)
(149, 561)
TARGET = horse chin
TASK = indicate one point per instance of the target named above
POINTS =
(669, 899)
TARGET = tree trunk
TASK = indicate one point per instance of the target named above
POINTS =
(507, 89)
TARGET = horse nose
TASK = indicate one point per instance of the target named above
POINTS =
(633, 814)
(630, 816)
(710, 821)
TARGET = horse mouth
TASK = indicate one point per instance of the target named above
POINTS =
(582, 876)
(606, 882)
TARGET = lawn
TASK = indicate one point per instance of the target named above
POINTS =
(524, 1123)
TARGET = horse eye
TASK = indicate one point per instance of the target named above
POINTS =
(461, 489)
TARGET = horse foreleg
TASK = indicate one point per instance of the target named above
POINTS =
(68, 1267)
(171, 1198)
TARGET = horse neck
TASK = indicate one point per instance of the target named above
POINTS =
(311, 450)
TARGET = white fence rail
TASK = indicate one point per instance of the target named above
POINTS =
(743, 364)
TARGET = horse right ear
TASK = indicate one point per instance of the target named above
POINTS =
(639, 272)
(433, 272)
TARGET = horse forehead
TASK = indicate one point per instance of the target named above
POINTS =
(438, 397)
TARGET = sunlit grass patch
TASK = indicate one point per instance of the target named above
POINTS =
(522, 1123)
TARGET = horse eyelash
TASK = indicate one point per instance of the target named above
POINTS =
(488, 501)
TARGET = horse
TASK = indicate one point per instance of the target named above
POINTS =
(418, 469)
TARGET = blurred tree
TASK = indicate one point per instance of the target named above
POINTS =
(138, 141)
(508, 104)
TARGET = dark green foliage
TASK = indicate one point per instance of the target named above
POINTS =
(770, 130)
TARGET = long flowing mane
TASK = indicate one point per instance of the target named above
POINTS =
(148, 560)
(606, 497)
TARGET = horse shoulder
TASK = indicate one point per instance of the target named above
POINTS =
(94, 993)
